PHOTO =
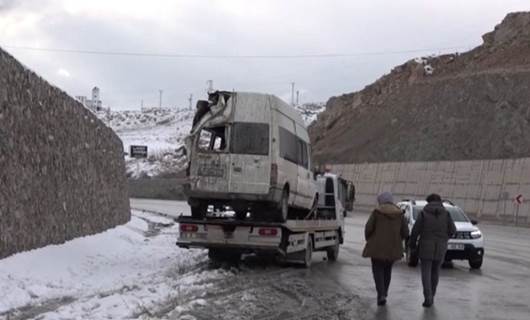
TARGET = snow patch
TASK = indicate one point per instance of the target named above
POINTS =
(161, 130)
(120, 273)
(428, 69)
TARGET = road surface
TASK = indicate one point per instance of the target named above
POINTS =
(345, 290)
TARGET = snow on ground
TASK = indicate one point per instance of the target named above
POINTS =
(121, 273)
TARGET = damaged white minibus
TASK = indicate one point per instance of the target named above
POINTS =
(250, 152)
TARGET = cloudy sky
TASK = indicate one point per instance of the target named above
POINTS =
(133, 48)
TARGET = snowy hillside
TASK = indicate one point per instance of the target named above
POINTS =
(311, 110)
(163, 132)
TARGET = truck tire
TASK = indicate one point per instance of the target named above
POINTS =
(283, 206)
(214, 254)
(223, 255)
(333, 252)
(241, 215)
(475, 263)
(308, 253)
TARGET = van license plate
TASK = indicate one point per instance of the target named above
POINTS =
(210, 171)
(455, 246)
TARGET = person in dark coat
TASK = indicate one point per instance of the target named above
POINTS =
(384, 232)
(434, 227)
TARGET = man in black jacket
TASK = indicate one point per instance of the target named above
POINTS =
(434, 227)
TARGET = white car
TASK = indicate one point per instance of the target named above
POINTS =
(467, 244)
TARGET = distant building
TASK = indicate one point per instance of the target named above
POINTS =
(93, 104)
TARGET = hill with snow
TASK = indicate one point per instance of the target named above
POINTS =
(310, 111)
(161, 130)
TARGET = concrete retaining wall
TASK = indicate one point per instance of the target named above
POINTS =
(483, 188)
(62, 173)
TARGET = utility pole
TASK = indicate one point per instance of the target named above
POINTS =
(190, 99)
(297, 97)
(142, 104)
(292, 93)
(160, 100)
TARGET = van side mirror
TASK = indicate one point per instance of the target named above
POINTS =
(474, 222)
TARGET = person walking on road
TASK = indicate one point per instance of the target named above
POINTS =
(434, 227)
(384, 232)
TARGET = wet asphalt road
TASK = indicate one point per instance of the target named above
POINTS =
(345, 290)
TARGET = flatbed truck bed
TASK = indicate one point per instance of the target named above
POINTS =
(292, 240)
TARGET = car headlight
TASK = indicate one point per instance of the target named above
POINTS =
(476, 234)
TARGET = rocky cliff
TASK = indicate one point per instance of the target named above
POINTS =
(62, 173)
(474, 105)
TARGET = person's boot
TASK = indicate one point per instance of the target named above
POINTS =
(427, 303)
(381, 300)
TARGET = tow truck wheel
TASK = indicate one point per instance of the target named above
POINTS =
(199, 211)
(333, 252)
(308, 253)
(223, 255)
(213, 254)
(241, 214)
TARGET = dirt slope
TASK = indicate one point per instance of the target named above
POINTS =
(474, 105)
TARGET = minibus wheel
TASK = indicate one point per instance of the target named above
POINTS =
(283, 206)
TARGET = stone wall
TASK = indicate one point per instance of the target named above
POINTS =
(62, 173)
(483, 188)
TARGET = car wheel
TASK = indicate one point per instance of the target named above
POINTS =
(411, 257)
(476, 263)
(283, 206)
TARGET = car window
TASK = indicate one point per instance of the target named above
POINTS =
(456, 213)
(212, 139)
(293, 148)
(302, 153)
(288, 145)
(250, 138)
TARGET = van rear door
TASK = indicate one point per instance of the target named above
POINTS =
(210, 163)
(250, 166)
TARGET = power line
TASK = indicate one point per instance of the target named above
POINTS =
(201, 56)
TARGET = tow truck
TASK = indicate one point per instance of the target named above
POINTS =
(291, 241)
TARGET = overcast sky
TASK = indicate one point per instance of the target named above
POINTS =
(375, 35)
